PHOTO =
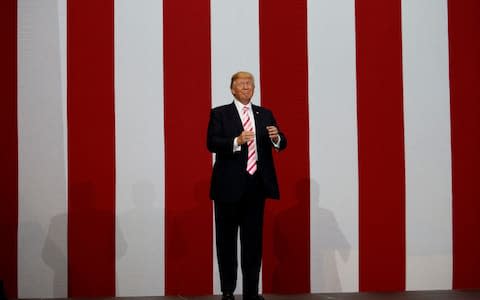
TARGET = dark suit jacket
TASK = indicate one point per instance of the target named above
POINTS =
(229, 171)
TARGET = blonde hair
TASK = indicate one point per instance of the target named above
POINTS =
(241, 74)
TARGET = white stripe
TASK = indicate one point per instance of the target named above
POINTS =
(333, 146)
(140, 151)
(427, 145)
(235, 47)
(42, 235)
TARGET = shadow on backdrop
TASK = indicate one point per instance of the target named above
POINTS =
(330, 241)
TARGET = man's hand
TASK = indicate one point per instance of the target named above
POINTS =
(273, 133)
(245, 137)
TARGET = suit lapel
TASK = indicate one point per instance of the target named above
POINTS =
(258, 119)
(234, 116)
(260, 130)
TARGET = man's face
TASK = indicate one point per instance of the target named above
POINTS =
(242, 89)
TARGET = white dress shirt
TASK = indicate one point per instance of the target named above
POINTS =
(240, 106)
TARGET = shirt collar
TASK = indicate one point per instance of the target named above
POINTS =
(240, 106)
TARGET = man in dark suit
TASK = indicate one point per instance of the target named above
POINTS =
(242, 136)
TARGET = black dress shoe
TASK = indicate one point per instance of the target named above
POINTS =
(256, 297)
(228, 296)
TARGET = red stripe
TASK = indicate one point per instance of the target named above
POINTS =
(284, 82)
(188, 210)
(464, 38)
(380, 146)
(8, 147)
(91, 148)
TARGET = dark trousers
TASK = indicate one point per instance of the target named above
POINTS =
(246, 215)
(2, 291)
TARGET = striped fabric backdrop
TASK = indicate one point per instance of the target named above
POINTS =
(105, 172)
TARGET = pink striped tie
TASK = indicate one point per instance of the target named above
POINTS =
(252, 147)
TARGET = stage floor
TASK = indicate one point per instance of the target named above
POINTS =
(417, 295)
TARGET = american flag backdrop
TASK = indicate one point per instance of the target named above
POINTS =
(105, 172)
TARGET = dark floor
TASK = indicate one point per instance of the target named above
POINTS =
(420, 295)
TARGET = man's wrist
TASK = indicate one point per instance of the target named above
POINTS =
(277, 143)
(236, 146)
